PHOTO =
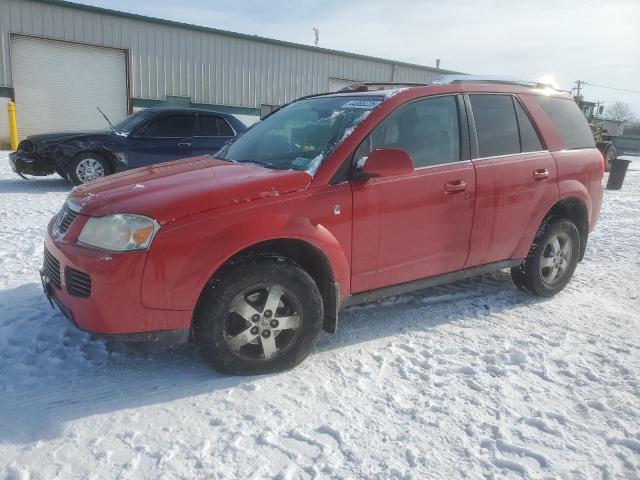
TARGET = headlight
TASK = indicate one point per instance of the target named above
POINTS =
(121, 232)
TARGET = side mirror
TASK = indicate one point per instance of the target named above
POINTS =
(385, 162)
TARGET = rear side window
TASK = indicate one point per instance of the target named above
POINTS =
(529, 139)
(211, 126)
(496, 125)
(568, 120)
(224, 129)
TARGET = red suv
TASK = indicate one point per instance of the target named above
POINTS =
(333, 200)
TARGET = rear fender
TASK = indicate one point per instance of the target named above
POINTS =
(569, 189)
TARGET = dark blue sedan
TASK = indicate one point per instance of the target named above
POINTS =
(148, 136)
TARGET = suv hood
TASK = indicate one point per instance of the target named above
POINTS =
(172, 190)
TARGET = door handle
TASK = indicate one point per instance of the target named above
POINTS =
(456, 186)
(184, 145)
(541, 174)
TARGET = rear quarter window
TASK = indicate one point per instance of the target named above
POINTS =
(568, 120)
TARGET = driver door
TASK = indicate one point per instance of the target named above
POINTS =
(163, 138)
(415, 225)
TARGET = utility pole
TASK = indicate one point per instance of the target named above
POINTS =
(316, 32)
(578, 89)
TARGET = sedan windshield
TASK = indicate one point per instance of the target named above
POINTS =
(301, 135)
(132, 121)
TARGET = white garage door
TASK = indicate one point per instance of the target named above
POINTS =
(58, 85)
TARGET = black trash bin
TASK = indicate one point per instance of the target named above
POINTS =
(618, 171)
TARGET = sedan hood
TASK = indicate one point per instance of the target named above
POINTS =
(46, 138)
(172, 190)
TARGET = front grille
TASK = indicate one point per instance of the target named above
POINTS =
(51, 268)
(78, 283)
(66, 216)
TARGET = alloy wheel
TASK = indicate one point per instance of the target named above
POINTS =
(263, 322)
(556, 258)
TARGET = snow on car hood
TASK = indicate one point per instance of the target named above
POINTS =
(176, 189)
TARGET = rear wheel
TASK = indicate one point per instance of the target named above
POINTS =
(263, 316)
(551, 260)
(87, 167)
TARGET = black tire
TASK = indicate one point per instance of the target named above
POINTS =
(531, 276)
(214, 315)
(72, 171)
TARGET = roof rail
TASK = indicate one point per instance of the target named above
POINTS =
(369, 86)
(449, 79)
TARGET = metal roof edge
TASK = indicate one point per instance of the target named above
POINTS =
(243, 36)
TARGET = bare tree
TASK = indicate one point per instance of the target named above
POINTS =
(620, 111)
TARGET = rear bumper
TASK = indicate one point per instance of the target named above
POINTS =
(113, 308)
(27, 164)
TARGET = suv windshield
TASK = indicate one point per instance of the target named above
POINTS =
(301, 135)
(132, 121)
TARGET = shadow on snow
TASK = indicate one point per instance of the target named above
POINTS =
(51, 373)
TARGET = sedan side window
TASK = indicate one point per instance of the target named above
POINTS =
(212, 126)
(170, 126)
(224, 129)
(426, 129)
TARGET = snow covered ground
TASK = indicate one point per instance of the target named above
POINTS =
(470, 380)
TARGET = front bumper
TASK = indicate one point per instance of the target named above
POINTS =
(28, 164)
(113, 307)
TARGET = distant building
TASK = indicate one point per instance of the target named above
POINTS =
(614, 128)
(60, 60)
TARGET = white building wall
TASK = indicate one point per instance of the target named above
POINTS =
(209, 66)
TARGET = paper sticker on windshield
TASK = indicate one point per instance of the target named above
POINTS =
(364, 104)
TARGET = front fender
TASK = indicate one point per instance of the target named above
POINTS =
(185, 258)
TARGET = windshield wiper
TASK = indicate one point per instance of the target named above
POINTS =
(264, 163)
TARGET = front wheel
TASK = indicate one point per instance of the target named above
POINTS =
(263, 316)
(87, 167)
(551, 260)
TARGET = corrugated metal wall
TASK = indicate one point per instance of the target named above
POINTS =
(208, 67)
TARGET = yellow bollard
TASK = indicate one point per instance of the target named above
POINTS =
(13, 128)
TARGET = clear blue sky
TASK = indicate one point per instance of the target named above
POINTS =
(593, 40)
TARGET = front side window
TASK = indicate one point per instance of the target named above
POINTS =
(496, 125)
(169, 126)
(428, 130)
(301, 135)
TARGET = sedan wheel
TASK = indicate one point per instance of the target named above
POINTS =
(89, 169)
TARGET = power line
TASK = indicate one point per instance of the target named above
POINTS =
(611, 88)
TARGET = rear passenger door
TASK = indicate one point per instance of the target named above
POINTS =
(515, 176)
(212, 133)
